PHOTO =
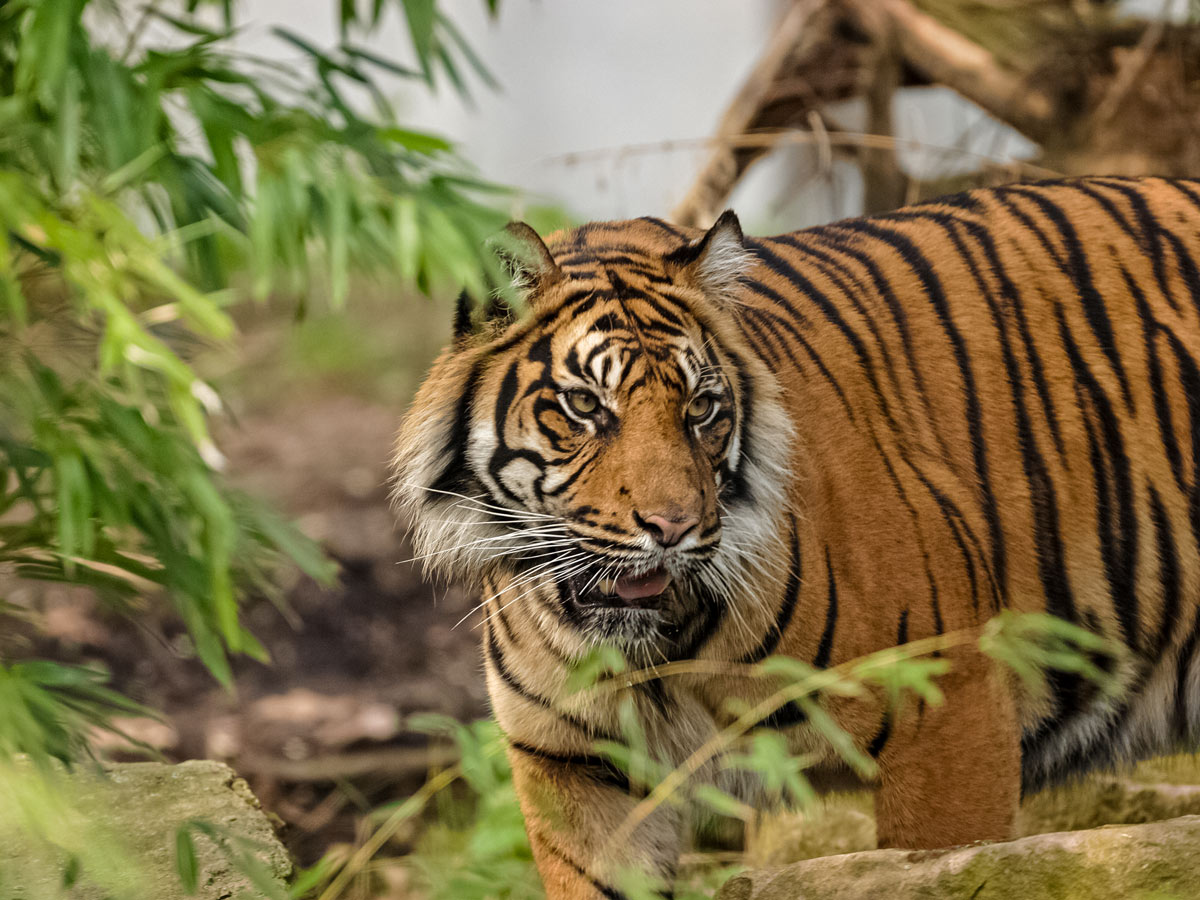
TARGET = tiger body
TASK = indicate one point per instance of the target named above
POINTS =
(914, 421)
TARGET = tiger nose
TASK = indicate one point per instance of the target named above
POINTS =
(666, 532)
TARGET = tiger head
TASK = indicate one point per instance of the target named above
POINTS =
(613, 457)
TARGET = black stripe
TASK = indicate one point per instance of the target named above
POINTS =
(825, 647)
(670, 229)
(791, 594)
(960, 531)
(1168, 576)
(771, 320)
(1183, 669)
(881, 736)
(1012, 302)
(839, 273)
(609, 893)
(1185, 265)
(932, 288)
(1181, 185)
(1052, 568)
(495, 656)
(806, 289)
(597, 768)
(1118, 529)
(456, 475)
(1079, 271)
(1158, 391)
(701, 628)
(787, 716)
(885, 727)
(1189, 379)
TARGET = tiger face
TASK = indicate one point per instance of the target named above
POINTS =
(596, 451)
(623, 442)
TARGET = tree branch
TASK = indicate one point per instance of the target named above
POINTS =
(947, 57)
(805, 26)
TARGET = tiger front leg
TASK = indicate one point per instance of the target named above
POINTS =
(573, 811)
(951, 774)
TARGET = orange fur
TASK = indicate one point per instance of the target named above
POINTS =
(986, 402)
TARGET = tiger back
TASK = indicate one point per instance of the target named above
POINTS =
(702, 446)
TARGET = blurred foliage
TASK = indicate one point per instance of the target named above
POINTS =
(1017, 32)
(152, 175)
(42, 816)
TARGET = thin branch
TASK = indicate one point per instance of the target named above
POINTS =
(395, 761)
(139, 28)
(1131, 67)
(810, 686)
(795, 34)
(768, 139)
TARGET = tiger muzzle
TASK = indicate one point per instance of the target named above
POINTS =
(645, 590)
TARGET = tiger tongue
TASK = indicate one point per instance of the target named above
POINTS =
(630, 587)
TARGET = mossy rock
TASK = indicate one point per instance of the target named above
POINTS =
(1156, 860)
(94, 835)
(1162, 788)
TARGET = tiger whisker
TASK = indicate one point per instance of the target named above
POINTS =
(485, 541)
(582, 566)
(476, 501)
(533, 575)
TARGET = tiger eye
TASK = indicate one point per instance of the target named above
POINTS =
(700, 406)
(583, 402)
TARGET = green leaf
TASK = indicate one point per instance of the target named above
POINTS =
(600, 663)
(123, 189)
(468, 52)
(71, 871)
(418, 141)
(419, 14)
(185, 859)
(722, 803)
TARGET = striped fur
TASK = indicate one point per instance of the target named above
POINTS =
(989, 401)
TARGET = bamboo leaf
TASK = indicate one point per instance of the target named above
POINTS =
(186, 864)
(419, 14)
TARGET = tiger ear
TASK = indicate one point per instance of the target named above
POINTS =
(526, 259)
(463, 326)
(472, 318)
(714, 263)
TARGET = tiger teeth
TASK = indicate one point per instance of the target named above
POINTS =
(608, 585)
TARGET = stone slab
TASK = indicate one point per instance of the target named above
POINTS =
(1157, 860)
(136, 809)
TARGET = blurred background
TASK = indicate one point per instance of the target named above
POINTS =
(233, 234)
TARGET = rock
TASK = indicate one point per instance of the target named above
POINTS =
(1159, 789)
(1157, 859)
(136, 809)
(1106, 801)
(842, 823)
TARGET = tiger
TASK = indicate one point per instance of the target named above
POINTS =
(697, 445)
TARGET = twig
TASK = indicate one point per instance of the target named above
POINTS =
(409, 808)
(771, 138)
(792, 35)
(1131, 67)
(139, 28)
(948, 57)
(397, 761)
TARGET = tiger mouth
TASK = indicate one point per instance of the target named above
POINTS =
(645, 590)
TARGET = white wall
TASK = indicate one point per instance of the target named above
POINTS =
(578, 76)
(593, 89)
